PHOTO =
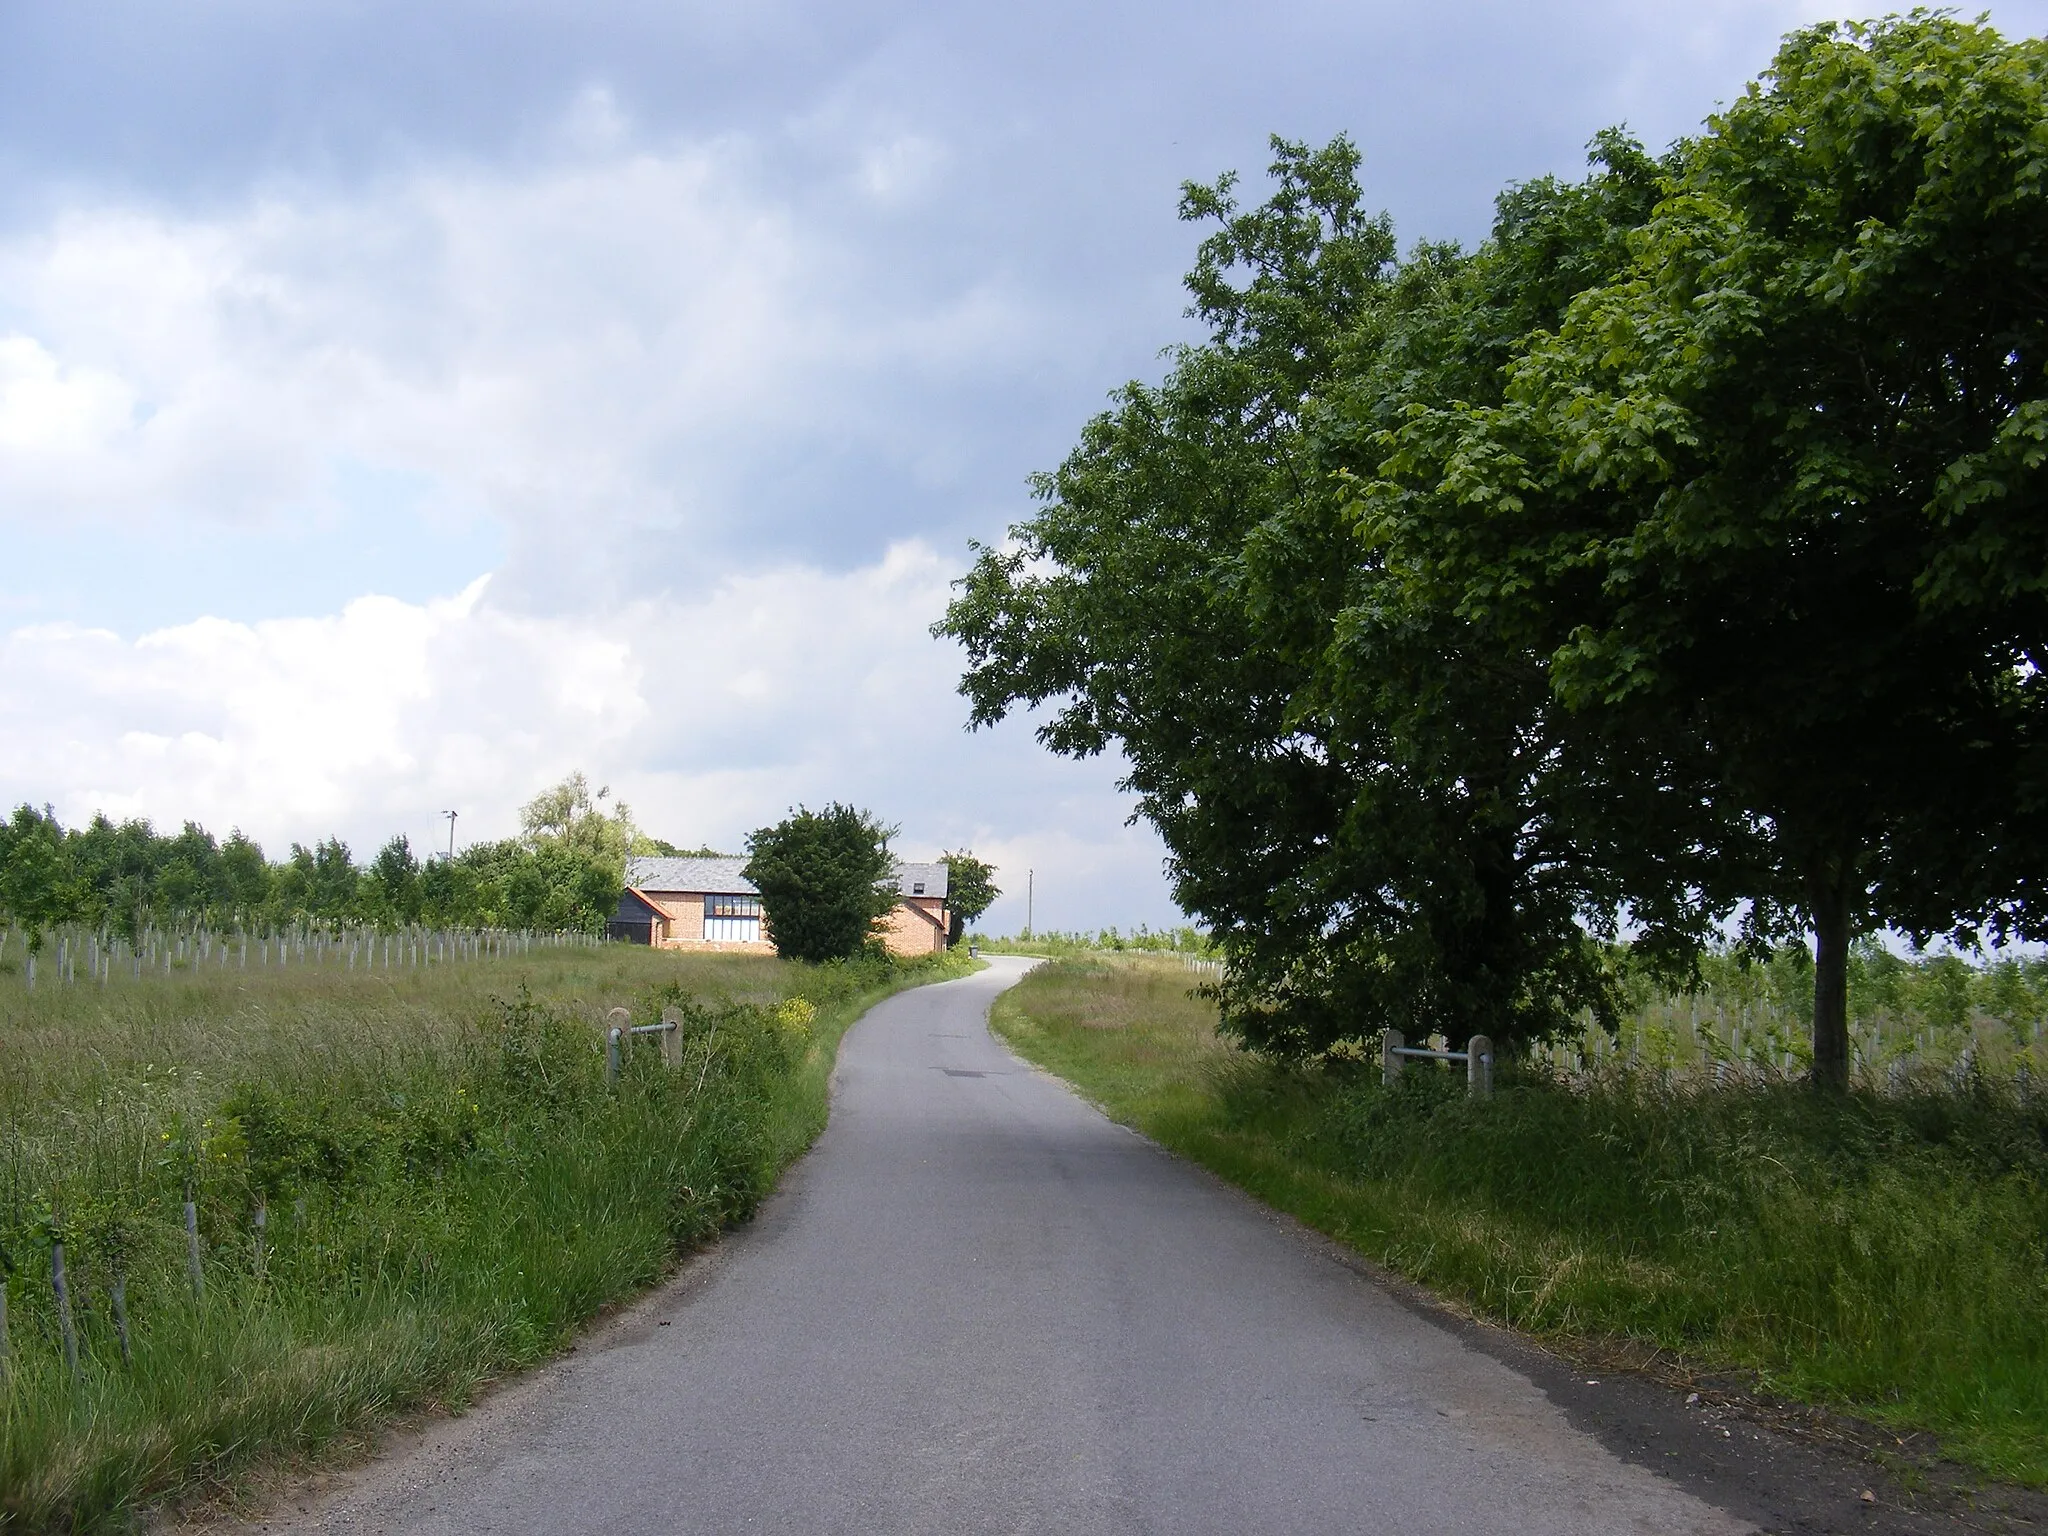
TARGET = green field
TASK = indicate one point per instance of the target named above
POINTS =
(1886, 1254)
(447, 1184)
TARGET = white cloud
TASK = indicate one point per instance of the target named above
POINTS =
(291, 728)
(45, 408)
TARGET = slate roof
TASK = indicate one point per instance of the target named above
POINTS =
(722, 877)
(931, 876)
(719, 877)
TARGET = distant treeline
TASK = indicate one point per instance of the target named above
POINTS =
(565, 871)
(1185, 939)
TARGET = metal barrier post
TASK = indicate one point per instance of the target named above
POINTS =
(1479, 1066)
(617, 1022)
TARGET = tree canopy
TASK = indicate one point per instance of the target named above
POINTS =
(570, 816)
(826, 880)
(1759, 494)
(1373, 818)
(1675, 554)
(970, 890)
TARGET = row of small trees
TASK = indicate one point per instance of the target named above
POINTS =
(1678, 557)
(565, 872)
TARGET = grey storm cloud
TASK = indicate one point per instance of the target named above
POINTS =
(1027, 157)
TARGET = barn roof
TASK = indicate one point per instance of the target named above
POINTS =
(717, 877)
(722, 877)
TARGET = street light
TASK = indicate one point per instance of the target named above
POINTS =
(451, 832)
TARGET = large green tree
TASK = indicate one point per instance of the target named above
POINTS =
(1770, 495)
(1383, 822)
(826, 880)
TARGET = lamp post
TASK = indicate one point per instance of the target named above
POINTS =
(451, 832)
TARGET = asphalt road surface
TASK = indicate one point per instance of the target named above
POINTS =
(980, 1306)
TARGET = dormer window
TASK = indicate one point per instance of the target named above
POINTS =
(917, 888)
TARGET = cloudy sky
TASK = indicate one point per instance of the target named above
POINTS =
(404, 404)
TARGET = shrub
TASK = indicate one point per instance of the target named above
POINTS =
(826, 880)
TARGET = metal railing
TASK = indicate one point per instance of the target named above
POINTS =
(1395, 1052)
(620, 1030)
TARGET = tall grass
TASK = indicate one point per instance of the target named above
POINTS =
(447, 1185)
(1916, 1024)
(1887, 1253)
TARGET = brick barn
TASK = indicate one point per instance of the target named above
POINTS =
(707, 904)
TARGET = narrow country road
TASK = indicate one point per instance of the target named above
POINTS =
(980, 1306)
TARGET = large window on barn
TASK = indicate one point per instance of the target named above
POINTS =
(732, 919)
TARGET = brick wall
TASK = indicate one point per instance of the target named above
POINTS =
(916, 926)
(905, 931)
(685, 913)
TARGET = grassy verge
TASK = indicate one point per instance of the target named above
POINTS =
(448, 1188)
(1884, 1255)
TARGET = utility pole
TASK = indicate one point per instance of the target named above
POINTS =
(1030, 900)
(451, 832)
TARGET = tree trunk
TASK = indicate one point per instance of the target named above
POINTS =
(1830, 902)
